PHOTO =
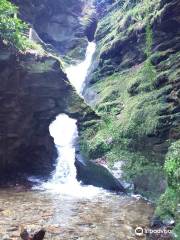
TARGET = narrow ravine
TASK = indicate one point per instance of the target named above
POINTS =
(65, 208)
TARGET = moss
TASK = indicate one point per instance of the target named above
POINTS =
(41, 67)
(122, 20)
(114, 107)
(132, 118)
(176, 230)
(168, 202)
(135, 103)
(172, 165)
(171, 66)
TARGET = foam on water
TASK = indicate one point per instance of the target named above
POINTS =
(64, 132)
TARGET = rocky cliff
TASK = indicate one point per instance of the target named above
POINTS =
(134, 85)
(34, 90)
(60, 24)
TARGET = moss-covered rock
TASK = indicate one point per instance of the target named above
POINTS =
(135, 87)
(168, 204)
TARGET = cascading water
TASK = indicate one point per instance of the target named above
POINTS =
(77, 74)
(66, 209)
(64, 131)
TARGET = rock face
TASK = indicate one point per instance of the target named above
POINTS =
(142, 94)
(34, 90)
(90, 173)
(59, 23)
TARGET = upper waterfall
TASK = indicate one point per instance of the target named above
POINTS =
(77, 73)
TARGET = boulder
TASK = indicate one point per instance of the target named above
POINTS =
(90, 173)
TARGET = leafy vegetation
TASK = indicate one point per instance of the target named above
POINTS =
(172, 165)
(132, 107)
(13, 30)
(168, 203)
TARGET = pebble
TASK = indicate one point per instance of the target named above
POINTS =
(69, 219)
(12, 229)
(6, 237)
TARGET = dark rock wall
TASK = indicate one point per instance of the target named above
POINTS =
(167, 45)
(34, 90)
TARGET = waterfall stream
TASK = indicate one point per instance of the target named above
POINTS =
(64, 131)
(77, 73)
(65, 208)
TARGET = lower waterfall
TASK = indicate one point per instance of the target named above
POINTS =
(65, 133)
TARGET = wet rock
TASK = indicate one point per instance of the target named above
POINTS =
(12, 229)
(169, 222)
(121, 53)
(91, 28)
(6, 237)
(91, 173)
(156, 222)
(36, 236)
(152, 181)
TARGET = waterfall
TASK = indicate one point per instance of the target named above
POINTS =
(77, 74)
(64, 131)
(30, 34)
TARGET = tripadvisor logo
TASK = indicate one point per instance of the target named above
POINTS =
(139, 231)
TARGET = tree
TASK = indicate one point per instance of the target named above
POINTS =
(12, 28)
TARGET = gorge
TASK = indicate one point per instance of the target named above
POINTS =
(94, 91)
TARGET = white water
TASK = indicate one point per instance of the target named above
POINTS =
(64, 131)
(77, 73)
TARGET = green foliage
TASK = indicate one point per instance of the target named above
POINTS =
(176, 230)
(167, 205)
(12, 29)
(129, 107)
(168, 202)
(172, 165)
(150, 71)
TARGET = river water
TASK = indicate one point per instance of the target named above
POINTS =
(62, 205)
